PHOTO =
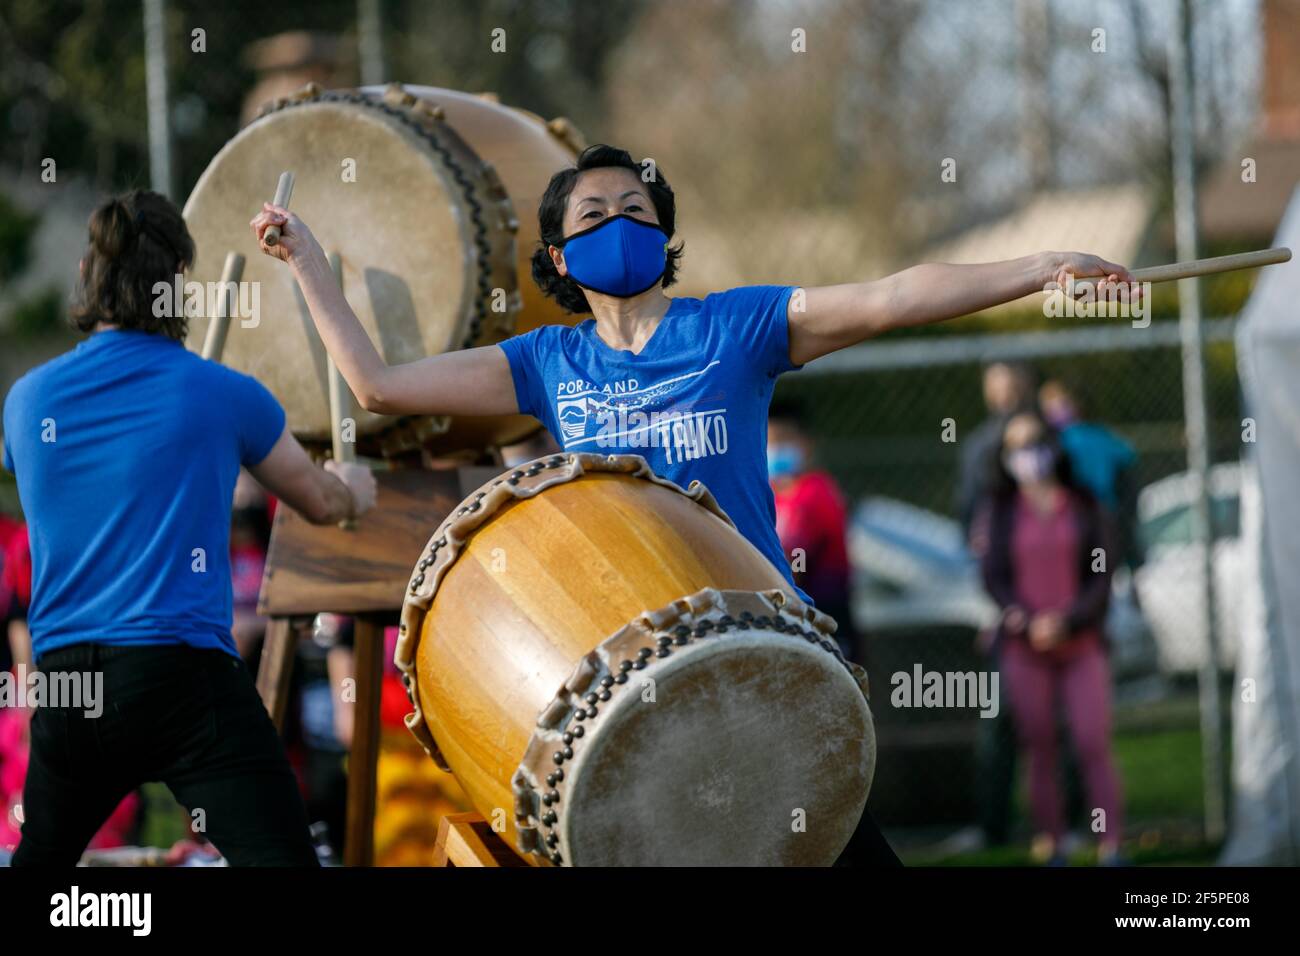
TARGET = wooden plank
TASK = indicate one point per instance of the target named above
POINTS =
(501, 851)
(459, 843)
(275, 670)
(311, 568)
(440, 845)
(368, 648)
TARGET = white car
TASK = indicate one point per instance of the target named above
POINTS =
(1169, 582)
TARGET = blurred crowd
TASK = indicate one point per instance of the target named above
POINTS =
(1046, 501)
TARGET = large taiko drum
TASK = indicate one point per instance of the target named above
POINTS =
(617, 677)
(429, 197)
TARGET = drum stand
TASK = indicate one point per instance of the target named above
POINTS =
(363, 572)
(466, 839)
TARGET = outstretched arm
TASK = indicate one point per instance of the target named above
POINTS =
(469, 382)
(834, 317)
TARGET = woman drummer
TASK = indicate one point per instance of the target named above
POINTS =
(683, 382)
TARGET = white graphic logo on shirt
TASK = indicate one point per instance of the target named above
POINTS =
(625, 419)
(572, 415)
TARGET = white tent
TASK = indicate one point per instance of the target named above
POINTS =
(1265, 826)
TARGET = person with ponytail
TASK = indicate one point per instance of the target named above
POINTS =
(126, 450)
(135, 241)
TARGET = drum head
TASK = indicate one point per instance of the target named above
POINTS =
(754, 749)
(390, 194)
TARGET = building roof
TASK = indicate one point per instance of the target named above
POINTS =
(1109, 221)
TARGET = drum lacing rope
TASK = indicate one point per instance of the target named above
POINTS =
(481, 244)
(665, 640)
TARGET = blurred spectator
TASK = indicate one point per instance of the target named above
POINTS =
(15, 597)
(250, 535)
(10, 607)
(15, 592)
(10, 527)
(1008, 388)
(810, 519)
(1100, 460)
(325, 663)
(1037, 537)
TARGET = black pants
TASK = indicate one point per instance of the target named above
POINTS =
(189, 718)
(995, 768)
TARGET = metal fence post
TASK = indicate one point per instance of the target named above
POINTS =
(1196, 419)
(155, 60)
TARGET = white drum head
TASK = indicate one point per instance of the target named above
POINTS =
(757, 749)
(370, 188)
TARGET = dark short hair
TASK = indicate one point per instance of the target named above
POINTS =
(789, 410)
(1026, 373)
(550, 221)
(136, 241)
(1076, 388)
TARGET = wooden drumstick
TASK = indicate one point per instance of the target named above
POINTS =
(342, 403)
(283, 190)
(1201, 267)
(214, 343)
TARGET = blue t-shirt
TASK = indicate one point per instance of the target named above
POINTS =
(693, 402)
(126, 451)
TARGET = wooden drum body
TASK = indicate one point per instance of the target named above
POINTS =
(429, 197)
(617, 677)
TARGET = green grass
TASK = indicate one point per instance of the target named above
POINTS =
(1159, 759)
(1158, 750)
(1161, 773)
(165, 820)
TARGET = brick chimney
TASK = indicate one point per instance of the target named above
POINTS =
(286, 62)
(1280, 83)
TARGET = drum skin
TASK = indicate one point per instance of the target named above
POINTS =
(545, 580)
(431, 202)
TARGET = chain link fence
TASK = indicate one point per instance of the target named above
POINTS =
(889, 418)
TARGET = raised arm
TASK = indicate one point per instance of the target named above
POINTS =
(468, 382)
(833, 317)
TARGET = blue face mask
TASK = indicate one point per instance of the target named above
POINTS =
(619, 256)
(784, 461)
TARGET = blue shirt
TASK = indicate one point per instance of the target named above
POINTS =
(126, 451)
(693, 402)
(1097, 457)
